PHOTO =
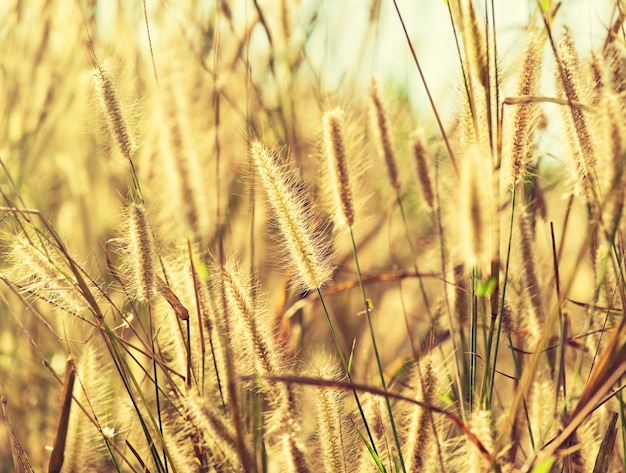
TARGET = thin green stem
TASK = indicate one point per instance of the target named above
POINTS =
(473, 342)
(561, 386)
(374, 345)
(156, 381)
(499, 331)
(120, 361)
(622, 416)
(345, 367)
(136, 185)
(493, 321)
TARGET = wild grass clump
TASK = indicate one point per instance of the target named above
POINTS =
(292, 266)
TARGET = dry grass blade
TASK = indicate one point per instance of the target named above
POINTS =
(58, 450)
(606, 447)
(172, 299)
(609, 368)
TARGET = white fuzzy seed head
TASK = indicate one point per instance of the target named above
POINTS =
(306, 248)
(141, 255)
(116, 120)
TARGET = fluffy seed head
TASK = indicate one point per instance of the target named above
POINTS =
(421, 432)
(542, 416)
(338, 166)
(38, 272)
(616, 58)
(474, 41)
(182, 163)
(216, 431)
(475, 217)
(508, 320)
(576, 121)
(383, 137)
(481, 424)
(328, 413)
(611, 176)
(141, 253)
(597, 79)
(306, 248)
(111, 106)
(530, 274)
(257, 338)
(84, 449)
(289, 423)
(419, 151)
(378, 420)
(518, 136)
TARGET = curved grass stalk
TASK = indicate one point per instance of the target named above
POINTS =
(444, 135)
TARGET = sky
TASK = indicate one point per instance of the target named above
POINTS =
(429, 26)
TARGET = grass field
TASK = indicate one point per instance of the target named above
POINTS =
(265, 236)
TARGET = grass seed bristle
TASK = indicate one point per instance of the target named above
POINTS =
(307, 250)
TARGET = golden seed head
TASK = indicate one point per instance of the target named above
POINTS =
(508, 322)
(141, 253)
(421, 433)
(383, 136)
(576, 120)
(481, 424)
(338, 165)
(419, 152)
(597, 79)
(528, 256)
(111, 106)
(616, 59)
(517, 151)
(475, 208)
(474, 42)
(542, 414)
(181, 161)
(307, 249)
(254, 332)
(328, 413)
(40, 272)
